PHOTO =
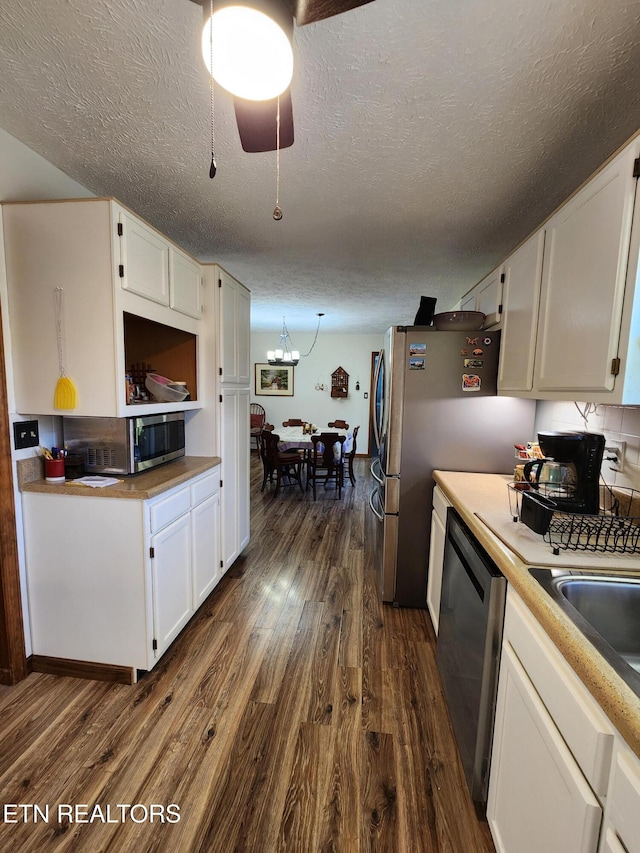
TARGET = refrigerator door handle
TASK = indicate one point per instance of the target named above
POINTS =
(376, 471)
(376, 375)
(378, 515)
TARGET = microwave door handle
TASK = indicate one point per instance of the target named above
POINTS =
(132, 444)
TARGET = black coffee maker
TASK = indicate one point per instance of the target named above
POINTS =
(579, 453)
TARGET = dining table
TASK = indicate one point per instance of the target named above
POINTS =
(295, 438)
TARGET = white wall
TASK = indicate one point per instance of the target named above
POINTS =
(351, 352)
(25, 175)
(618, 423)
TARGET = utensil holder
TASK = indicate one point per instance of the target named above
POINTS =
(54, 470)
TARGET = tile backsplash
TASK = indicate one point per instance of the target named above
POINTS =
(617, 423)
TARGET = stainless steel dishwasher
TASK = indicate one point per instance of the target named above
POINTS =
(468, 649)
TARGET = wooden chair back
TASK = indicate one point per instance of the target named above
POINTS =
(293, 422)
(338, 424)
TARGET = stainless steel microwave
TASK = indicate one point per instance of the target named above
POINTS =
(125, 445)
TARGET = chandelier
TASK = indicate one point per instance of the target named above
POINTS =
(285, 354)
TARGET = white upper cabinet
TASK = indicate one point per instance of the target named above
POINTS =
(233, 330)
(486, 296)
(115, 274)
(185, 280)
(521, 299)
(583, 282)
(144, 266)
(574, 315)
(489, 297)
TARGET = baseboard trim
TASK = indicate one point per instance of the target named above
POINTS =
(82, 669)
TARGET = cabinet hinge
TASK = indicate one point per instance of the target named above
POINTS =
(636, 168)
(502, 278)
(152, 553)
(615, 366)
(154, 644)
(220, 371)
(220, 397)
(220, 282)
(120, 229)
(222, 564)
(121, 270)
(499, 309)
(220, 483)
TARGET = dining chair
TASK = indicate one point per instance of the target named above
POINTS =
(267, 473)
(326, 461)
(338, 424)
(284, 465)
(293, 422)
(350, 455)
(257, 417)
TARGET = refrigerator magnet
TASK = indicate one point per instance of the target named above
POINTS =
(474, 363)
(473, 342)
(478, 352)
(417, 349)
(464, 352)
(416, 363)
(471, 382)
(487, 341)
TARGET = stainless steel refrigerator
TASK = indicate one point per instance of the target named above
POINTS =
(436, 409)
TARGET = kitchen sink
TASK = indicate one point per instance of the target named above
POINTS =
(606, 609)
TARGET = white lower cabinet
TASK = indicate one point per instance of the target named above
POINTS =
(622, 814)
(171, 581)
(539, 799)
(234, 450)
(436, 554)
(205, 548)
(114, 580)
(552, 748)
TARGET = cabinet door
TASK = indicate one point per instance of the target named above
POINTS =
(205, 533)
(468, 302)
(489, 297)
(436, 558)
(538, 797)
(583, 277)
(243, 321)
(242, 470)
(144, 258)
(185, 280)
(623, 803)
(234, 450)
(521, 301)
(227, 329)
(171, 581)
(233, 330)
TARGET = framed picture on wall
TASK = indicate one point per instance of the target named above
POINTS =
(274, 380)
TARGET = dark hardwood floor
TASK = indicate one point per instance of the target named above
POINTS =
(294, 712)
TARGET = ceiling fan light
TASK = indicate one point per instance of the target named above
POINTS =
(252, 55)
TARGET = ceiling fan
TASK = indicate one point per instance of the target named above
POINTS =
(257, 120)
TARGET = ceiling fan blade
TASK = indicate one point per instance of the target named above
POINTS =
(310, 11)
(257, 123)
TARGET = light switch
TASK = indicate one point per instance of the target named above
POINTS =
(25, 434)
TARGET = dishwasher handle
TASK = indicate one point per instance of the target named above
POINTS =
(468, 568)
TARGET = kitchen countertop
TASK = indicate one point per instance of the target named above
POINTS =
(148, 484)
(487, 493)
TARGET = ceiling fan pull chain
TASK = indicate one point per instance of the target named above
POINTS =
(213, 168)
(277, 210)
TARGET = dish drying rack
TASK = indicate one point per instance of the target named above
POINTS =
(616, 529)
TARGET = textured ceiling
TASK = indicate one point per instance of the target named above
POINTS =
(431, 137)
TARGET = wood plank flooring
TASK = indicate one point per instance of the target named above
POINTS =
(294, 713)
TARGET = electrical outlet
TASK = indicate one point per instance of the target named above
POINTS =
(614, 453)
(25, 434)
